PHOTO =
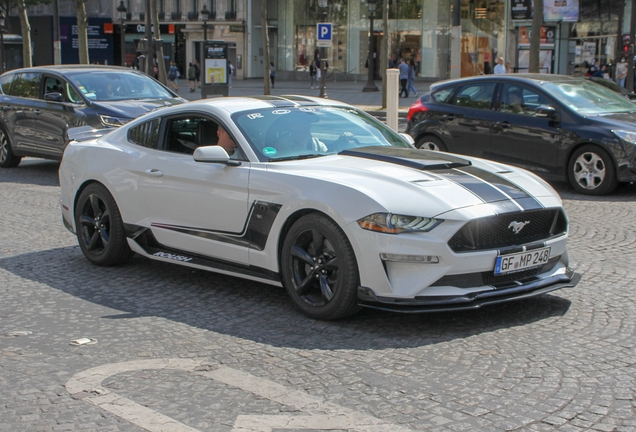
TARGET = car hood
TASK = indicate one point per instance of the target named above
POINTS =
(133, 108)
(624, 120)
(431, 183)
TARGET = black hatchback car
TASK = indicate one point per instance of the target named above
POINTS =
(559, 127)
(38, 105)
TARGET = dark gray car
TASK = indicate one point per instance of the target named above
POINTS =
(38, 105)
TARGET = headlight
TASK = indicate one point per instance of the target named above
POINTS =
(629, 136)
(113, 121)
(394, 224)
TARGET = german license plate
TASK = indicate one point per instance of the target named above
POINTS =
(521, 261)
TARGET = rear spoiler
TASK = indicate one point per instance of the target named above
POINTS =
(86, 133)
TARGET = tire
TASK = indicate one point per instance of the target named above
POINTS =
(319, 268)
(100, 229)
(429, 142)
(7, 158)
(591, 171)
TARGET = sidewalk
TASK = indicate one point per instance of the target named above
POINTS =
(346, 91)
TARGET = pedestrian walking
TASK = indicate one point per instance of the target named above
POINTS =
(231, 72)
(621, 72)
(197, 75)
(500, 68)
(312, 74)
(192, 72)
(173, 76)
(404, 77)
(272, 73)
(411, 79)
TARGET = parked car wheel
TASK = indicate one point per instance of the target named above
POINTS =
(100, 230)
(591, 171)
(7, 158)
(319, 268)
(429, 142)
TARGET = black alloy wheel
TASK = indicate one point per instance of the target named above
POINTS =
(319, 268)
(429, 142)
(100, 230)
(7, 158)
(591, 171)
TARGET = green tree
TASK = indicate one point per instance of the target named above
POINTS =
(161, 64)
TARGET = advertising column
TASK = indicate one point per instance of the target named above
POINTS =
(214, 80)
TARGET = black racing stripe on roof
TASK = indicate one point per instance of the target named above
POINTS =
(285, 102)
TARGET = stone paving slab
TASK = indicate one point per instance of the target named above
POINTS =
(559, 362)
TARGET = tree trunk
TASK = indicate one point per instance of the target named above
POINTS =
(26, 35)
(82, 35)
(535, 37)
(161, 64)
(384, 53)
(266, 61)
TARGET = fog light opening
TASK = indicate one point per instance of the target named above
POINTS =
(422, 259)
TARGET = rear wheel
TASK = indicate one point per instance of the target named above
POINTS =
(100, 230)
(319, 268)
(7, 158)
(591, 171)
(429, 142)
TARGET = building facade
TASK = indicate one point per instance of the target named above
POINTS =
(574, 33)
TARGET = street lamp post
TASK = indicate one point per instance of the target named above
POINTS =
(323, 4)
(122, 17)
(370, 86)
(205, 13)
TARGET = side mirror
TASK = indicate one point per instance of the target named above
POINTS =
(54, 97)
(408, 138)
(213, 154)
(546, 111)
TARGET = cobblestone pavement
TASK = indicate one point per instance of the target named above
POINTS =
(176, 349)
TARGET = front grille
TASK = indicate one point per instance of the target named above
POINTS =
(495, 232)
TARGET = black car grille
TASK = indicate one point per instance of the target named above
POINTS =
(495, 232)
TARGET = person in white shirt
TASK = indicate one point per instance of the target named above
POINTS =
(500, 68)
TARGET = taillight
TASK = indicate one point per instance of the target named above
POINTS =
(415, 108)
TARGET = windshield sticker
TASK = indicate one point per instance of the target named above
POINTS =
(269, 151)
(307, 109)
(281, 112)
(255, 116)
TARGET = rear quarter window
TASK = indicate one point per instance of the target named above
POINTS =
(5, 83)
(145, 134)
(443, 96)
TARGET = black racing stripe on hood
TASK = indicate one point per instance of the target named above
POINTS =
(478, 182)
(284, 102)
(525, 200)
(412, 158)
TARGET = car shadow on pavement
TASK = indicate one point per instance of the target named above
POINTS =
(39, 172)
(255, 311)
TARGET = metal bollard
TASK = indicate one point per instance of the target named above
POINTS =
(392, 93)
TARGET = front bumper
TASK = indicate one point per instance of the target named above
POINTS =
(513, 291)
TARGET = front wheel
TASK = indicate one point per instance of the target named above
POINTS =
(100, 229)
(319, 268)
(429, 142)
(591, 171)
(7, 158)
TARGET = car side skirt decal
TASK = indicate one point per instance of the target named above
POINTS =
(149, 244)
(255, 230)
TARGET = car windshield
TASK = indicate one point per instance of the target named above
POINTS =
(112, 86)
(589, 98)
(304, 132)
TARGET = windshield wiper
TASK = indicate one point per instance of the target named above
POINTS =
(298, 157)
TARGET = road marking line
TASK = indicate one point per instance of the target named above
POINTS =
(317, 413)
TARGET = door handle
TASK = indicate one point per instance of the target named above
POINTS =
(6, 108)
(449, 117)
(503, 125)
(37, 111)
(154, 172)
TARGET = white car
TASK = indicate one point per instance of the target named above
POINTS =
(318, 197)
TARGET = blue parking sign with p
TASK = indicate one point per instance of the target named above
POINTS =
(325, 33)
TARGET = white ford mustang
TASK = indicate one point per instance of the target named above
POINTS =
(318, 197)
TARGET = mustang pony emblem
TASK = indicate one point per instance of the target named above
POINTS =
(517, 226)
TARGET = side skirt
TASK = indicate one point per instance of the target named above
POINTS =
(144, 243)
